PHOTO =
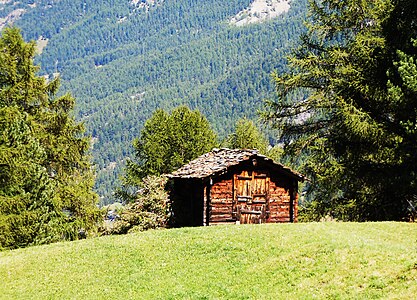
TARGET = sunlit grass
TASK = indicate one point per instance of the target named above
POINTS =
(276, 261)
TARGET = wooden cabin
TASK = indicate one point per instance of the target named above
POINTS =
(233, 186)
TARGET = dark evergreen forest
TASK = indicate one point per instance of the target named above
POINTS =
(122, 61)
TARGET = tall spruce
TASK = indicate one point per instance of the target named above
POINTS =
(46, 178)
(347, 108)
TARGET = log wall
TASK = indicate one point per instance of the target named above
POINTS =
(279, 203)
(215, 201)
(221, 208)
(280, 197)
(221, 202)
(187, 202)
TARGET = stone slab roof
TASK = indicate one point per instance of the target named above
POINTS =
(218, 161)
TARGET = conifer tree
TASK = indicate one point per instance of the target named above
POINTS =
(167, 142)
(247, 136)
(46, 178)
(356, 124)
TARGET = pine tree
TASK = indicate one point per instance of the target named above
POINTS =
(355, 124)
(46, 177)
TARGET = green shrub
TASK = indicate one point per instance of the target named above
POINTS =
(149, 210)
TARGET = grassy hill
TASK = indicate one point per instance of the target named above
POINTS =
(274, 261)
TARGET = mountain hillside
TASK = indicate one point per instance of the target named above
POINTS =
(261, 10)
(123, 59)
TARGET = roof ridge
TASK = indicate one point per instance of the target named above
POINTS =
(219, 160)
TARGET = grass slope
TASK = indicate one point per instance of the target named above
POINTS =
(274, 261)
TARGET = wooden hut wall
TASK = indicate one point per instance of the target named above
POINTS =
(187, 202)
(214, 200)
(283, 199)
(220, 202)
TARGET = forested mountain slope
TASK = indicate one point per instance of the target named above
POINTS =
(123, 59)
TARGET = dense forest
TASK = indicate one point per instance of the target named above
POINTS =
(342, 104)
(123, 60)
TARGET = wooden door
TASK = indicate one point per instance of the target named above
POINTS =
(251, 197)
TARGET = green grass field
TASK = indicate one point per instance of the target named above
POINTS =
(274, 261)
